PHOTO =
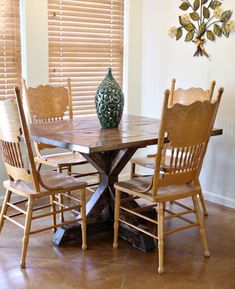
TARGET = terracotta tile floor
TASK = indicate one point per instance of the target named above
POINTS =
(104, 268)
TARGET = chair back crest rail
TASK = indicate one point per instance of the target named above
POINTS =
(187, 128)
(190, 95)
(48, 103)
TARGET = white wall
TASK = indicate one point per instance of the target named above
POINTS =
(133, 50)
(34, 39)
(163, 58)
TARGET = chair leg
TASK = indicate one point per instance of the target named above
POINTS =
(38, 167)
(69, 171)
(53, 210)
(60, 197)
(27, 228)
(116, 218)
(203, 203)
(99, 178)
(83, 215)
(201, 226)
(4, 208)
(164, 208)
(202, 200)
(69, 168)
(132, 170)
(61, 201)
(160, 212)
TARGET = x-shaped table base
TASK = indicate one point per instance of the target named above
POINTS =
(99, 208)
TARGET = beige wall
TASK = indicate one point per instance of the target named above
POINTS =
(163, 58)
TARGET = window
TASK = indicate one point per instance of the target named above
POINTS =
(85, 38)
(10, 48)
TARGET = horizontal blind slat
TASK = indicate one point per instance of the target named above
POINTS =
(10, 47)
(85, 38)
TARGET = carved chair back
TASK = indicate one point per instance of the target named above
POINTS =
(14, 136)
(190, 95)
(47, 103)
(187, 129)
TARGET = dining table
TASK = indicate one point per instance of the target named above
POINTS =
(109, 151)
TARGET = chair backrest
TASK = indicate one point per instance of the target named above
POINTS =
(190, 95)
(14, 135)
(47, 103)
(187, 129)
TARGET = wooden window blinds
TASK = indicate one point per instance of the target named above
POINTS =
(85, 38)
(10, 47)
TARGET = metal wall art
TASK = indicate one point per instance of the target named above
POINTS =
(205, 20)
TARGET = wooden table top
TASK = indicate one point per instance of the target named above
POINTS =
(85, 135)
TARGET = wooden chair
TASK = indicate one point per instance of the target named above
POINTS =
(28, 182)
(187, 129)
(46, 104)
(190, 95)
(182, 96)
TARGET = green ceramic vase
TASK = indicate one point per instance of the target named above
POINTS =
(109, 101)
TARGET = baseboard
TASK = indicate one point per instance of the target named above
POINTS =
(220, 200)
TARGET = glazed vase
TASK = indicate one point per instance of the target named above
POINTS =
(109, 102)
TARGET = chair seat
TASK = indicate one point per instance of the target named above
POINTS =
(52, 179)
(62, 159)
(138, 185)
(149, 162)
